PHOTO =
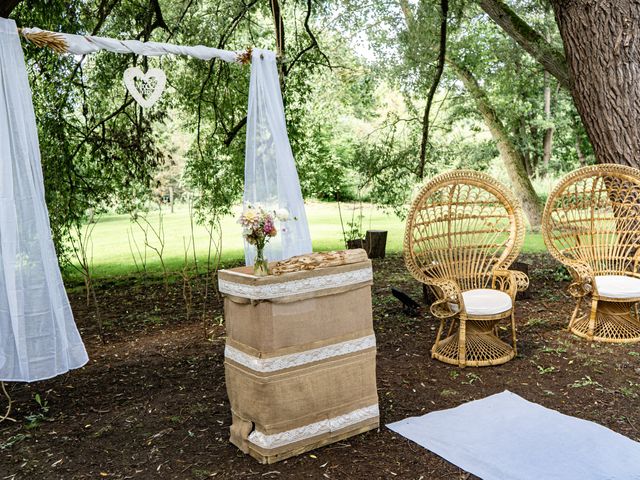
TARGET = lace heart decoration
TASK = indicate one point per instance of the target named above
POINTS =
(145, 88)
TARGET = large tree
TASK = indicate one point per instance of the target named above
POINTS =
(602, 46)
(512, 157)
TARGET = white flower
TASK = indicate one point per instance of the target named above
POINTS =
(282, 214)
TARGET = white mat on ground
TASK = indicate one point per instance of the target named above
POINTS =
(505, 437)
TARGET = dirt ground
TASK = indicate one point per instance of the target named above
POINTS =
(151, 403)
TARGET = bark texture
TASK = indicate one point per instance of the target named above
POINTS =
(513, 158)
(535, 44)
(602, 46)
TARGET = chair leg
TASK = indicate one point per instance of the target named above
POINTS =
(462, 343)
(438, 335)
(453, 324)
(575, 313)
(513, 331)
(592, 318)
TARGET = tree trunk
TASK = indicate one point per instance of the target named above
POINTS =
(602, 46)
(513, 159)
(526, 154)
(547, 142)
(528, 166)
(444, 9)
(547, 147)
(376, 243)
(278, 22)
(529, 160)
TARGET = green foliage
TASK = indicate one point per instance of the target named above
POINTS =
(515, 85)
(101, 152)
(561, 274)
(354, 102)
(544, 370)
(585, 381)
(354, 229)
(13, 440)
(35, 419)
(98, 149)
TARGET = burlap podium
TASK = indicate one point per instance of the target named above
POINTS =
(299, 359)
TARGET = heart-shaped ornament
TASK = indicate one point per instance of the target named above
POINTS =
(145, 88)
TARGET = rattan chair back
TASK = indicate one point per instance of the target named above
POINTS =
(593, 217)
(462, 225)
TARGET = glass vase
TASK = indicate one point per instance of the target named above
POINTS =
(261, 265)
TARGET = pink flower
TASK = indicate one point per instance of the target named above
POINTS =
(269, 228)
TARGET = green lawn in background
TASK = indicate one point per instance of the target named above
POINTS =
(111, 254)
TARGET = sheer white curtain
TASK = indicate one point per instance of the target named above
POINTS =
(270, 176)
(38, 337)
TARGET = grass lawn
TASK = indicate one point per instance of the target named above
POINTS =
(111, 251)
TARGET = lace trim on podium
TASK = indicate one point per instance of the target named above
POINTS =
(296, 359)
(295, 287)
(313, 429)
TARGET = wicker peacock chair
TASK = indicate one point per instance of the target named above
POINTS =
(463, 232)
(591, 224)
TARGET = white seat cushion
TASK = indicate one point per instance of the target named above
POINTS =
(484, 301)
(618, 286)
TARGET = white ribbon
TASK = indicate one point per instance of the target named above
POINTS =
(82, 45)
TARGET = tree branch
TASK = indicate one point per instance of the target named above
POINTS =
(313, 44)
(179, 22)
(128, 101)
(444, 7)
(531, 41)
(231, 134)
(155, 5)
(221, 44)
(104, 10)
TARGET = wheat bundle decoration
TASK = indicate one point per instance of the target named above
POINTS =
(244, 58)
(45, 39)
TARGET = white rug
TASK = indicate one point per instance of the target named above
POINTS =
(505, 437)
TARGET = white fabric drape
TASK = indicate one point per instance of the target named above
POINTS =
(270, 176)
(505, 437)
(38, 337)
(83, 45)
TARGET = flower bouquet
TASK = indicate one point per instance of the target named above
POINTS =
(258, 227)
